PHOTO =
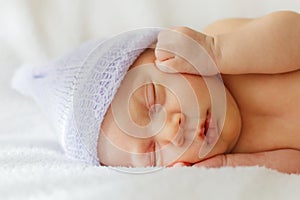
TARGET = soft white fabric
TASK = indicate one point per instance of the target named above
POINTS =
(29, 172)
(32, 163)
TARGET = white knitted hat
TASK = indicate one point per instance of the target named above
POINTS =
(76, 90)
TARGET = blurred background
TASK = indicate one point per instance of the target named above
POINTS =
(36, 31)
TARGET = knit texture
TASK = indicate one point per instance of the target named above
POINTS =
(76, 90)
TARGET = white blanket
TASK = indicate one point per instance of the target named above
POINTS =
(32, 164)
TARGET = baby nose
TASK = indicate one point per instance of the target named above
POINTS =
(172, 131)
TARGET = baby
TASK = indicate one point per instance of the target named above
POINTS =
(259, 62)
(228, 96)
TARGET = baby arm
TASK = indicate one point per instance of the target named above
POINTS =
(283, 160)
(270, 44)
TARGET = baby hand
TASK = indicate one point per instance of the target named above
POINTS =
(282, 160)
(184, 50)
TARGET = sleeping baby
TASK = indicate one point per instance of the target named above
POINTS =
(227, 96)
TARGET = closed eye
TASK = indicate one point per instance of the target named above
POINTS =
(150, 96)
(153, 154)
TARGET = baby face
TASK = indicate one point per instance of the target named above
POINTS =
(158, 119)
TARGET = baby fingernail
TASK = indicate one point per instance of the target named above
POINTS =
(179, 164)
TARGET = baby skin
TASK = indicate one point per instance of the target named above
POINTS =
(259, 62)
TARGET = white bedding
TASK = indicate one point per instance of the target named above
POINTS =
(32, 164)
